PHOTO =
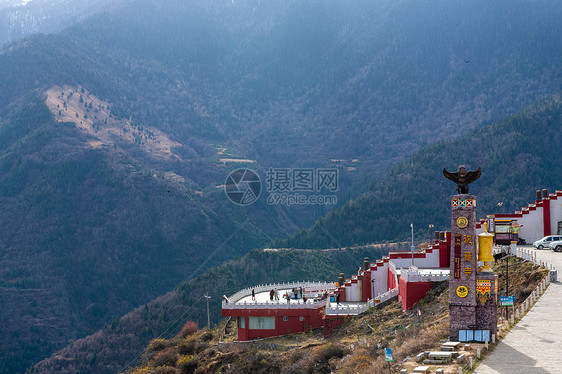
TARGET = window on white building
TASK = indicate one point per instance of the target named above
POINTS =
(262, 323)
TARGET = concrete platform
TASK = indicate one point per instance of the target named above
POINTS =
(532, 346)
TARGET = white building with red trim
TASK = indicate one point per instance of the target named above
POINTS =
(536, 220)
(405, 275)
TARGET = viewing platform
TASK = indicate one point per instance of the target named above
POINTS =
(312, 291)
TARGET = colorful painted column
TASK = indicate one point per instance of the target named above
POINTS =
(462, 281)
(472, 294)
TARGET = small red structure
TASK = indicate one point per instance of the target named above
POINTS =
(296, 307)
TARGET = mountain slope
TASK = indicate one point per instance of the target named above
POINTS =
(90, 233)
(413, 72)
(120, 343)
(87, 216)
(518, 155)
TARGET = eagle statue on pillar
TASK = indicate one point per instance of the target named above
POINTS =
(462, 178)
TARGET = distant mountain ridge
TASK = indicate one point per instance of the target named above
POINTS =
(20, 18)
(518, 155)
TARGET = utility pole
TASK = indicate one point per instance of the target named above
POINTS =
(413, 247)
(208, 313)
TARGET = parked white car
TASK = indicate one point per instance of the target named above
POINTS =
(545, 242)
(556, 246)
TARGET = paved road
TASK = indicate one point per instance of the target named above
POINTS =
(533, 345)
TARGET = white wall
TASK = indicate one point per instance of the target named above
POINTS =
(355, 292)
(431, 260)
(532, 225)
(555, 214)
(380, 277)
(348, 293)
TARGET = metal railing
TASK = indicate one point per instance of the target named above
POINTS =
(278, 304)
(308, 287)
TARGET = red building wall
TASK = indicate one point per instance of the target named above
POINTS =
(366, 286)
(546, 216)
(412, 292)
(312, 318)
(391, 280)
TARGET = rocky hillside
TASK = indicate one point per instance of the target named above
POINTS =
(356, 347)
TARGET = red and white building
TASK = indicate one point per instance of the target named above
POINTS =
(536, 220)
(405, 275)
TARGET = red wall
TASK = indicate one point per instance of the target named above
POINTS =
(412, 292)
(391, 280)
(312, 319)
(445, 252)
(366, 287)
(546, 216)
(332, 323)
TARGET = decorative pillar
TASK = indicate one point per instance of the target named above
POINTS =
(472, 294)
(462, 279)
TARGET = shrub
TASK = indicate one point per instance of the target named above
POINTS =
(186, 364)
(165, 358)
(187, 346)
(155, 346)
(189, 328)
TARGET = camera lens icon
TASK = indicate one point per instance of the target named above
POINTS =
(243, 186)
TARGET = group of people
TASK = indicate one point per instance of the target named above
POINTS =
(296, 293)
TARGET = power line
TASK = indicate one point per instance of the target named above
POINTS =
(165, 331)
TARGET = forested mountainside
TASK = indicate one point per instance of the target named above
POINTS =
(94, 223)
(89, 234)
(120, 344)
(19, 18)
(513, 153)
(518, 155)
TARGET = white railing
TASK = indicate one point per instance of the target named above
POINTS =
(345, 309)
(416, 276)
(530, 255)
(279, 304)
(308, 287)
(379, 299)
(353, 309)
(526, 254)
